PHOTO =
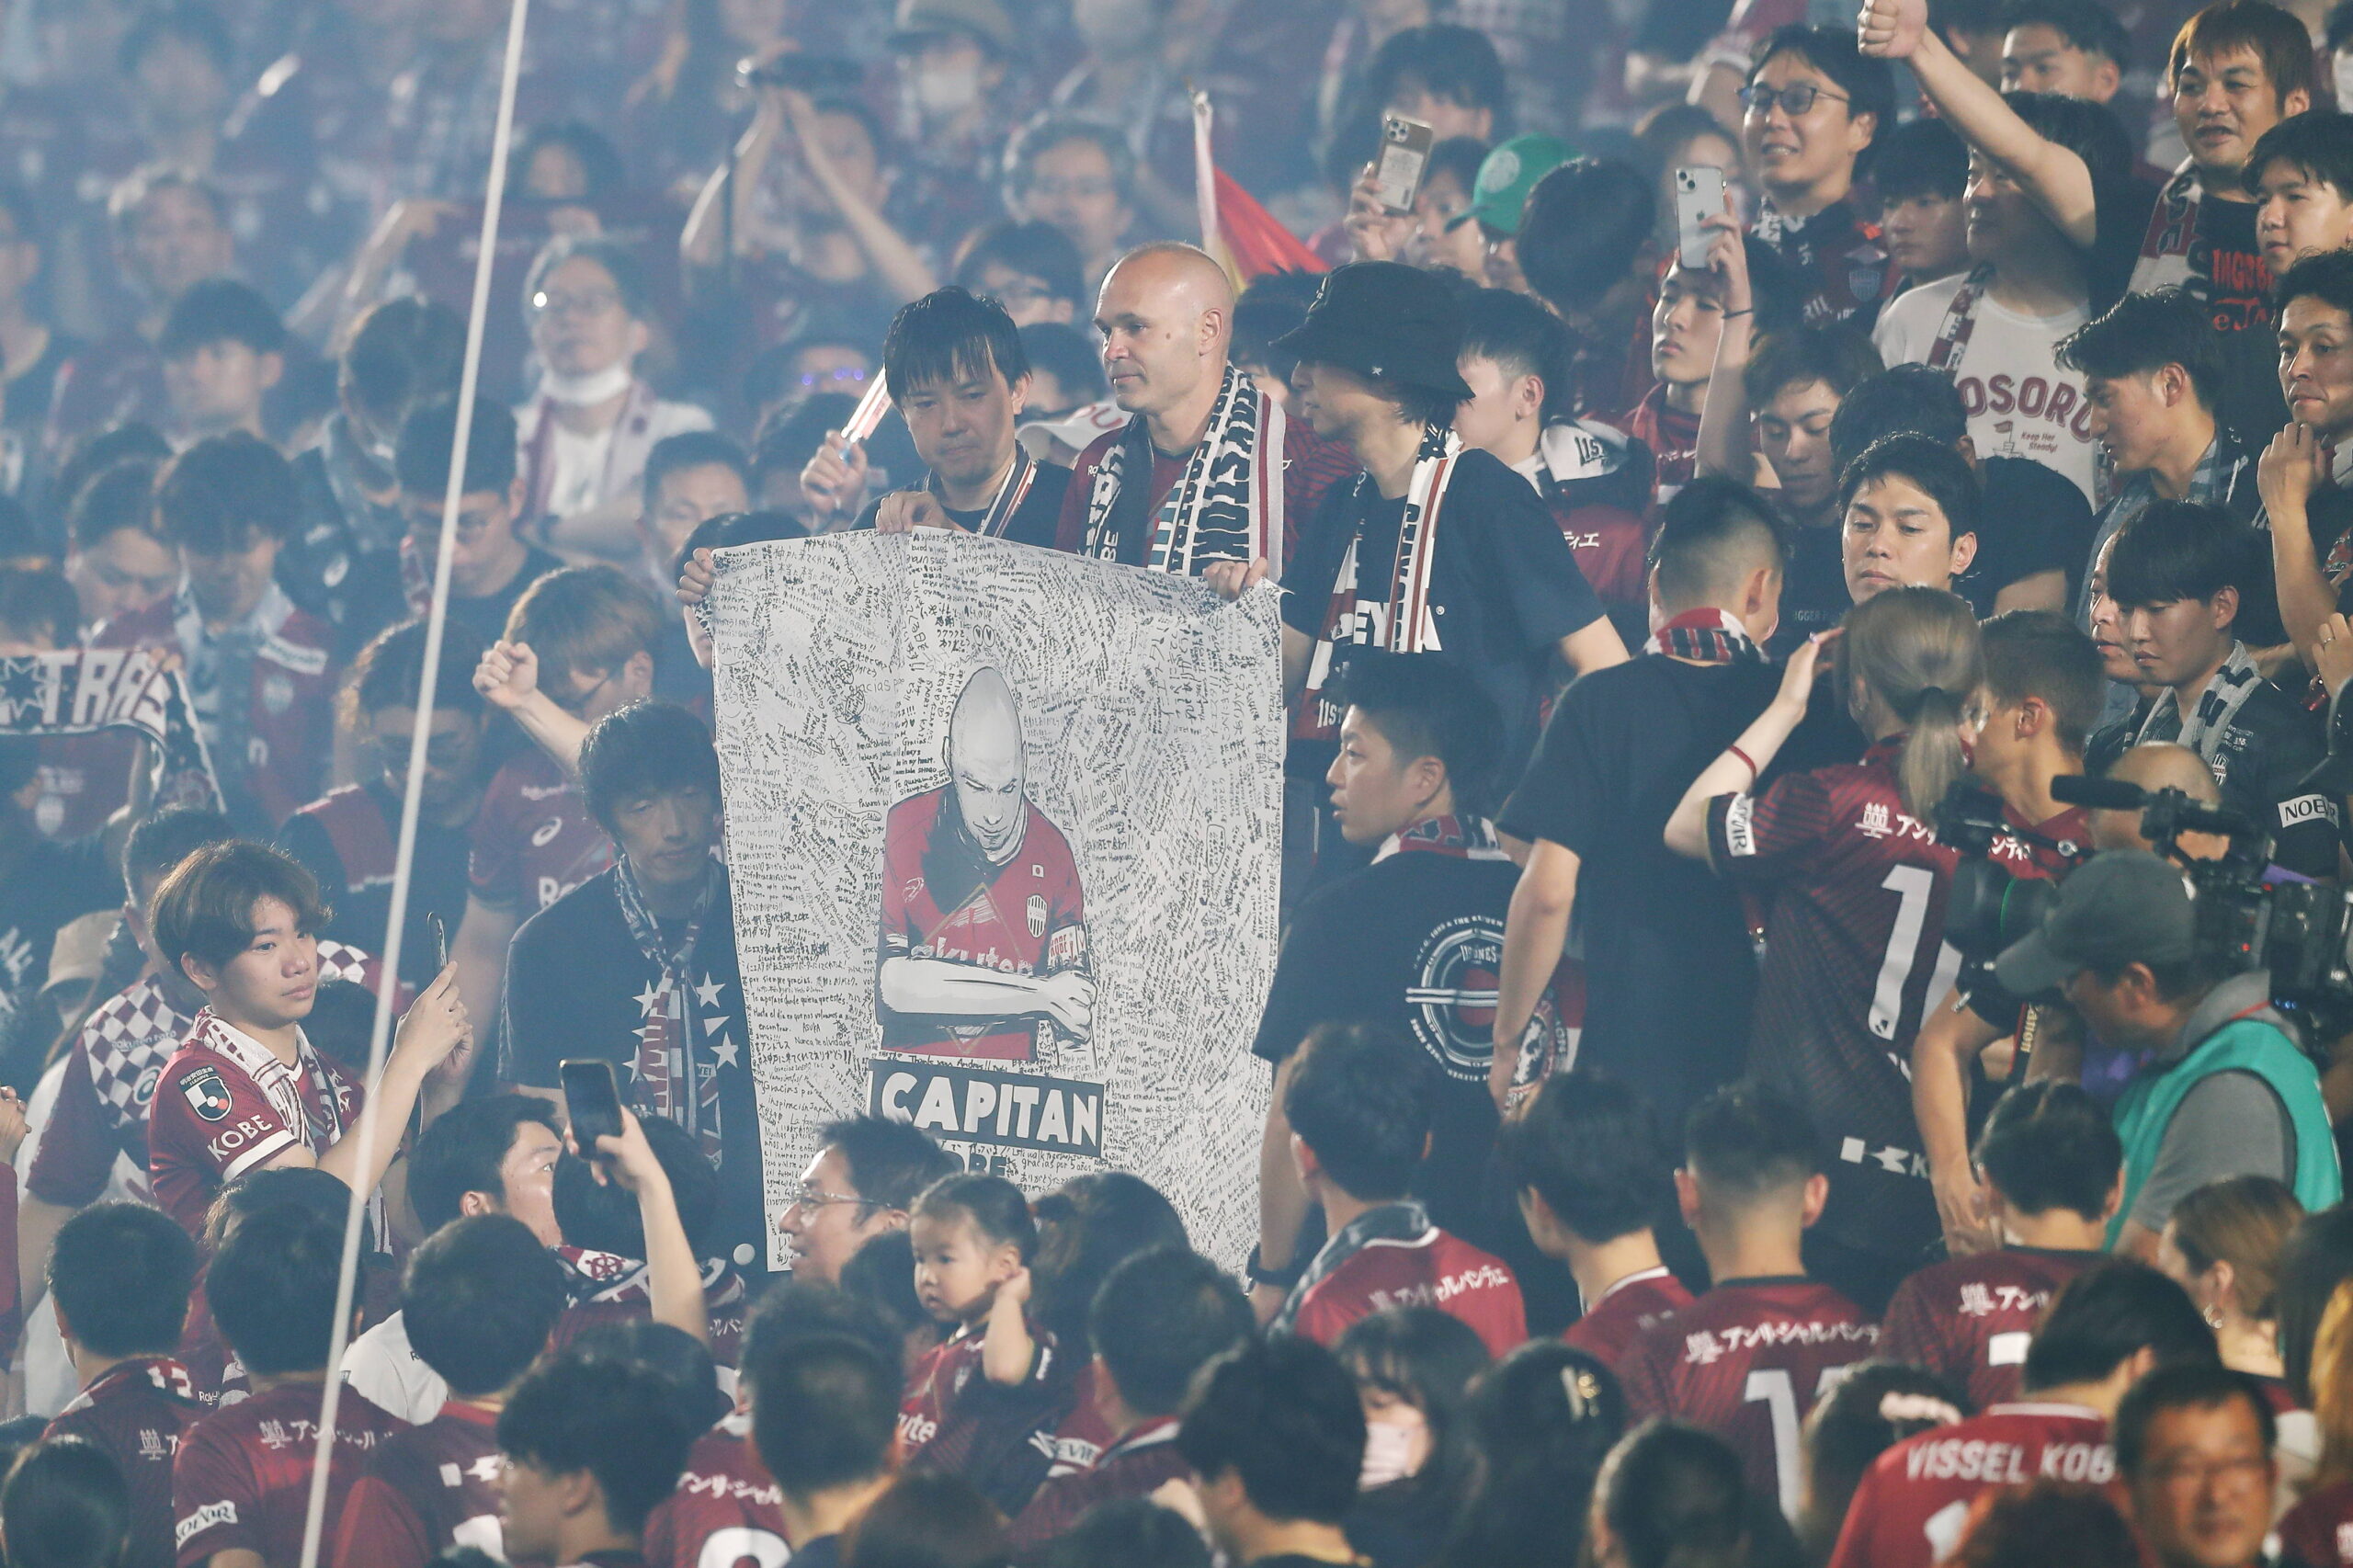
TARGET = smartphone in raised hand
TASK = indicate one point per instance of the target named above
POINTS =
(1699, 196)
(1405, 157)
(593, 1098)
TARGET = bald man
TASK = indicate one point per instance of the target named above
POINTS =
(983, 943)
(2161, 766)
(1197, 481)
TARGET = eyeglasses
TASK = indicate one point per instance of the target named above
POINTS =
(1794, 99)
(547, 303)
(2240, 1470)
(818, 1198)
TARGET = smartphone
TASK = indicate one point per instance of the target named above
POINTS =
(1405, 155)
(1698, 195)
(440, 943)
(593, 1100)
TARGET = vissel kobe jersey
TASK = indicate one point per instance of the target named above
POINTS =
(1914, 1498)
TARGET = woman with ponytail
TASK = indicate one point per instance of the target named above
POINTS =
(1857, 884)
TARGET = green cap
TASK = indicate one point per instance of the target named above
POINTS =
(1500, 194)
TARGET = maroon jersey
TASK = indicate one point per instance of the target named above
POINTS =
(1748, 1361)
(1854, 949)
(243, 1479)
(1311, 465)
(137, 1411)
(212, 1122)
(1842, 267)
(1909, 1511)
(533, 840)
(422, 1491)
(608, 1288)
(1627, 1311)
(944, 899)
(932, 1387)
(1083, 1434)
(1673, 437)
(1135, 1466)
(2318, 1532)
(1969, 1319)
(1424, 1267)
(727, 1511)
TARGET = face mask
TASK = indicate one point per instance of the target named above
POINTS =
(1394, 1447)
(584, 391)
(949, 91)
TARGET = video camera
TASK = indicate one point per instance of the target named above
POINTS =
(1990, 906)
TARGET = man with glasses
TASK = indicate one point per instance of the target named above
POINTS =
(1812, 105)
(345, 838)
(491, 565)
(865, 1176)
(2194, 1444)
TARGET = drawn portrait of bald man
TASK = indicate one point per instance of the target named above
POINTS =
(983, 946)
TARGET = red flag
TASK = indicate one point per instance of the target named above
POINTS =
(1247, 239)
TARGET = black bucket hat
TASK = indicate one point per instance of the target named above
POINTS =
(1385, 320)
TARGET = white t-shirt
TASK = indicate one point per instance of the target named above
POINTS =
(381, 1365)
(2021, 405)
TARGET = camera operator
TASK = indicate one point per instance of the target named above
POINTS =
(2225, 1091)
(2044, 687)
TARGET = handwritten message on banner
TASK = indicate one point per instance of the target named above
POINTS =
(1004, 826)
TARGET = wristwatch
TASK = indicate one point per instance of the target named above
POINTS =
(1259, 1274)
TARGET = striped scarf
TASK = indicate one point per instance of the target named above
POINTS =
(2203, 730)
(1227, 504)
(668, 1080)
(1705, 637)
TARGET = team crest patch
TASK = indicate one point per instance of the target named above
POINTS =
(1037, 915)
(206, 1094)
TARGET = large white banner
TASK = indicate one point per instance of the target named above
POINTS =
(1003, 829)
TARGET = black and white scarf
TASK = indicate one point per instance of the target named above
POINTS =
(666, 1067)
(1226, 505)
(2202, 732)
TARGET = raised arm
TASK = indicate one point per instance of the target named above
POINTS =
(673, 1276)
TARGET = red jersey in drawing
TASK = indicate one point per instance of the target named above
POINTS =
(1914, 1498)
(137, 1411)
(423, 1491)
(1968, 1319)
(1626, 1311)
(1748, 1361)
(1371, 1267)
(943, 899)
(243, 1479)
(225, 1106)
(727, 1505)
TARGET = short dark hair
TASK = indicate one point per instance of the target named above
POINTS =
(2089, 130)
(1429, 705)
(602, 1216)
(2082, 24)
(890, 1161)
(1283, 1415)
(882, 1274)
(389, 671)
(2194, 1385)
(122, 1273)
(479, 1299)
(1920, 157)
(2176, 550)
(1359, 1098)
(1583, 226)
(1048, 132)
(404, 350)
(619, 261)
(462, 1149)
(223, 491)
(617, 1420)
(693, 448)
(1063, 352)
(2318, 141)
(2141, 334)
(825, 1409)
(930, 1517)
(320, 1193)
(1709, 536)
(579, 619)
(1127, 1532)
(162, 841)
(1930, 467)
(1524, 338)
(1160, 1318)
(949, 335)
(1452, 62)
(2112, 1311)
(66, 1505)
(1838, 356)
(800, 1309)
(1273, 305)
(1868, 82)
(1875, 1407)
(600, 162)
(1673, 1494)
(221, 310)
(1747, 1140)
(205, 905)
(272, 1287)
(994, 1204)
(2274, 37)
(428, 439)
(1591, 1147)
(2325, 276)
(683, 1362)
(114, 496)
(1033, 249)
(2049, 1145)
(39, 600)
(1914, 400)
(2041, 652)
(646, 749)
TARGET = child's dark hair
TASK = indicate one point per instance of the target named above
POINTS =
(1878, 1405)
(992, 1204)
(66, 1505)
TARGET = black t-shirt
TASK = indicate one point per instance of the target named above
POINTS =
(44, 885)
(1034, 522)
(573, 980)
(361, 913)
(2030, 519)
(2237, 286)
(1813, 586)
(1376, 945)
(1669, 970)
(1505, 586)
(486, 617)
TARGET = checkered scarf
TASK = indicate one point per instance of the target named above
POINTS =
(1707, 636)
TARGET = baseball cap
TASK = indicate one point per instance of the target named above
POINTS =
(984, 19)
(1510, 171)
(2125, 906)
